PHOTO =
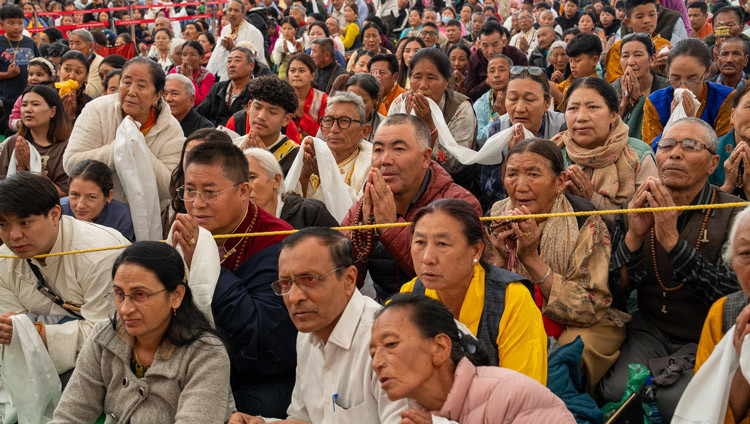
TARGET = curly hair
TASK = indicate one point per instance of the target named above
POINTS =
(271, 89)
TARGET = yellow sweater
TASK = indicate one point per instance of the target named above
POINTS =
(352, 31)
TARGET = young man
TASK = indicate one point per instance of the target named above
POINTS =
(641, 16)
(620, 10)
(265, 118)
(583, 52)
(569, 18)
(698, 16)
(384, 67)
(493, 38)
(16, 50)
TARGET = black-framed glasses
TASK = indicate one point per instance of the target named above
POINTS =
(428, 33)
(137, 297)
(208, 196)
(283, 286)
(532, 70)
(343, 122)
(687, 144)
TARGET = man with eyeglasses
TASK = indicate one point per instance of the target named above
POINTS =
(673, 259)
(335, 381)
(525, 39)
(429, 34)
(62, 295)
(344, 130)
(217, 197)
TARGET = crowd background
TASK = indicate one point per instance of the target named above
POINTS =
(187, 120)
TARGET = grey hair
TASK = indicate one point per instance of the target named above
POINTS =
(739, 219)
(559, 44)
(84, 34)
(711, 139)
(242, 5)
(187, 84)
(421, 131)
(475, 14)
(546, 12)
(269, 164)
(300, 8)
(347, 97)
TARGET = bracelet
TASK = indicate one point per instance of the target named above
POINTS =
(549, 271)
(433, 132)
(39, 328)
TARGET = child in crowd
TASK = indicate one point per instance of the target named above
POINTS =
(41, 72)
(583, 53)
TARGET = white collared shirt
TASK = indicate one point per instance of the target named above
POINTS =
(530, 37)
(335, 382)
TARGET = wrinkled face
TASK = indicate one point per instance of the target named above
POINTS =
(234, 13)
(386, 78)
(570, 9)
(262, 187)
(634, 55)
(409, 50)
(297, 15)
(30, 235)
(72, 69)
(371, 39)
(545, 37)
(741, 118)
(177, 98)
(525, 21)
(476, 23)
(687, 71)
(223, 214)
(299, 74)
(77, 43)
(583, 65)
(492, 44)
(429, 35)
(318, 56)
(442, 256)
(267, 119)
(161, 22)
(333, 25)
(137, 91)
(453, 33)
(397, 153)
(546, 19)
(643, 18)
(741, 255)
(585, 24)
(191, 57)
(189, 32)
(37, 75)
(729, 19)
(429, 16)
(238, 67)
(732, 58)
(401, 357)
(427, 80)
(589, 118)
(498, 73)
(683, 169)
(151, 317)
(87, 199)
(459, 61)
(531, 182)
(339, 140)
(697, 18)
(525, 103)
(315, 309)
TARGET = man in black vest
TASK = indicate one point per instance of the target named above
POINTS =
(673, 259)
(327, 69)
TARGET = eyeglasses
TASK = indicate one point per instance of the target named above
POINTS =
(428, 33)
(208, 196)
(343, 122)
(687, 144)
(137, 297)
(532, 70)
(284, 286)
(691, 82)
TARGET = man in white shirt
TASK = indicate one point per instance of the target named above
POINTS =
(336, 11)
(71, 298)
(236, 31)
(334, 378)
(525, 40)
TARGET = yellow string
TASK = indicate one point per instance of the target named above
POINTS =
(406, 224)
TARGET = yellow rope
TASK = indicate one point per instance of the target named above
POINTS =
(406, 224)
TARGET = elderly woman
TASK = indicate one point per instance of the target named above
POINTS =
(558, 68)
(266, 190)
(90, 198)
(192, 53)
(459, 55)
(419, 353)
(429, 74)
(567, 258)
(734, 151)
(446, 250)
(159, 359)
(312, 102)
(139, 98)
(372, 39)
(728, 310)
(367, 87)
(637, 57)
(83, 41)
(604, 165)
(688, 66)
(527, 101)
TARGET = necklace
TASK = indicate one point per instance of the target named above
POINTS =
(702, 239)
(345, 162)
(18, 44)
(362, 239)
(243, 242)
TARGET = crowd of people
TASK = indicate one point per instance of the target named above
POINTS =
(408, 120)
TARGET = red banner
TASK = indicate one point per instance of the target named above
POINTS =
(126, 50)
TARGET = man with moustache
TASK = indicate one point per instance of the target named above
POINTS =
(733, 57)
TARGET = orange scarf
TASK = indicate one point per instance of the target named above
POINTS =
(150, 122)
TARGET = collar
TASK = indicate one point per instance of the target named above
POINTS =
(422, 190)
(331, 65)
(164, 351)
(346, 327)
(702, 198)
(278, 140)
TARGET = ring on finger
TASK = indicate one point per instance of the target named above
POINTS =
(192, 241)
(580, 189)
(526, 234)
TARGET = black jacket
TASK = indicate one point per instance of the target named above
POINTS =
(257, 17)
(214, 106)
(566, 23)
(300, 212)
(193, 121)
(538, 58)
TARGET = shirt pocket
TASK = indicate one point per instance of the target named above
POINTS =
(358, 413)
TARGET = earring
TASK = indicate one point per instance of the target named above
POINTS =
(475, 261)
(174, 311)
(155, 103)
(437, 362)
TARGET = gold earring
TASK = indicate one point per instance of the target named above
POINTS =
(155, 103)
(174, 311)
(437, 362)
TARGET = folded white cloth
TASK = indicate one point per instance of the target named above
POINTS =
(35, 161)
(679, 110)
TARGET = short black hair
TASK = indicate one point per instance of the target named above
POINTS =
(730, 9)
(430, 24)
(437, 57)
(339, 247)
(114, 60)
(575, 31)
(453, 23)
(111, 74)
(632, 4)
(271, 89)
(231, 159)
(390, 58)
(588, 44)
(620, 4)
(194, 44)
(53, 34)
(10, 11)
(699, 5)
(609, 9)
(326, 46)
(571, 1)
(94, 171)
(490, 28)
(543, 5)
(24, 194)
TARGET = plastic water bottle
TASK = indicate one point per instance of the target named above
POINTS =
(650, 408)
